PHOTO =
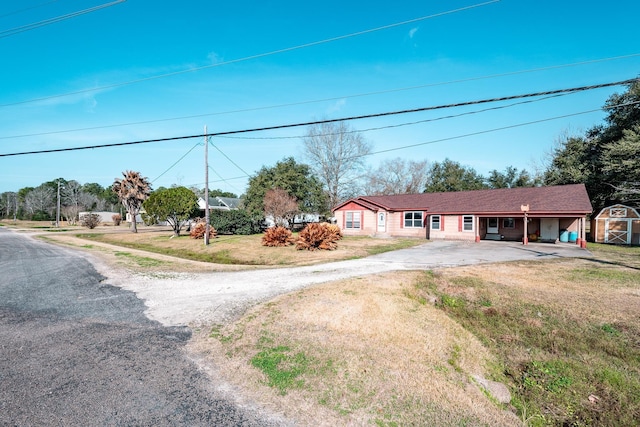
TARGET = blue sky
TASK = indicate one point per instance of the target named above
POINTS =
(215, 74)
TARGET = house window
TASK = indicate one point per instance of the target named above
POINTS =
(352, 220)
(467, 223)
(413, 219)
(509, 223)
(435, 222)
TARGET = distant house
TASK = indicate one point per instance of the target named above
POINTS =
(299, 220)
(104, 216)
(617, 224)
(550, 214)
(219, 203)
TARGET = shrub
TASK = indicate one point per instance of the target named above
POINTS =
(319, 236)
(335, 230)
(235, 222)
(277, 236)
(117, 219)
(198, 231)
(90, 220)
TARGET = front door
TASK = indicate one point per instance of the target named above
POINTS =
(492, 225)
(382, 222)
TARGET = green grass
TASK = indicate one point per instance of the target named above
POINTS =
(394, 245)
(140, 260)
(553, 363)
(599, 274)
(218, 257)
(282, 367)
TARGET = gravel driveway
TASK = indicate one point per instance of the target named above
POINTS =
(204, 298)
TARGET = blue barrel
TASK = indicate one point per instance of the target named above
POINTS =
(564, 236)
(573, 236)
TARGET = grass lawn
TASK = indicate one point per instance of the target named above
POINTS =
(240, 250)
(402, 348)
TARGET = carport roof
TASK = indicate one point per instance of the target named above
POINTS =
(560, 200)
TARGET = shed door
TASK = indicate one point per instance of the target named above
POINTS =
(549, 228)
(382, 222)
(617, 231)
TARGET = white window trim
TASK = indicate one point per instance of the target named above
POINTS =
(464, 230)
(618, 212)
(404, 219)
(439, 222)
(353, 220)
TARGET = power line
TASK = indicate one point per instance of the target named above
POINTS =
(494, 129)
(33, 26)
(316, 122)
(15, 12)
(451, 116)
(176, 162)
(292, 104)
(227, 157)
(404, 147)
(251, 57)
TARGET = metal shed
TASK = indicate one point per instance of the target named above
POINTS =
(617, 224)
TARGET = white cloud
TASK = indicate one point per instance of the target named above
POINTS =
(337, 106)
(412, 32)
(214, 58)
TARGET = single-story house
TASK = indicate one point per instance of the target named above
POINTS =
(534, 213)
(618, 224)
(104, 216)
(299, 220)
(220, 203)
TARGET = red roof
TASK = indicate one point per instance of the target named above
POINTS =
(560, 199)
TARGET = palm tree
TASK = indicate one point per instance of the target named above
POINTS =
(132, 190)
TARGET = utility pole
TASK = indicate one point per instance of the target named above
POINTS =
(58, 207)
(206, 187)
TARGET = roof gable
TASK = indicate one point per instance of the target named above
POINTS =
(630, 212)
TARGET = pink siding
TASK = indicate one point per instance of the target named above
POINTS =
(569, 224)
(368, 222)
(396, 228)
(449, 226)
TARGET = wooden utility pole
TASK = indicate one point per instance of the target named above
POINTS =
(58, 207)
(206, 187)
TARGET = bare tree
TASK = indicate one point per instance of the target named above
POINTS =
(75, 200)
(132, 191)
(280, 206)
(336, 154)
(40, 199)
(8, 204)
(397, 176)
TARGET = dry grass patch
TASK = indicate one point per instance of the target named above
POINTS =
(357, 353)
(566, 332)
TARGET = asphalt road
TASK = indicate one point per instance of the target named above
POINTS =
(76, 351)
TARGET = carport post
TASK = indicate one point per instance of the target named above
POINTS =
(579, 239)
(525, 238)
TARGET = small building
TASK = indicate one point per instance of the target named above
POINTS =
(617, 224)
(547, 214)
(219, 203)
(103, 215)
